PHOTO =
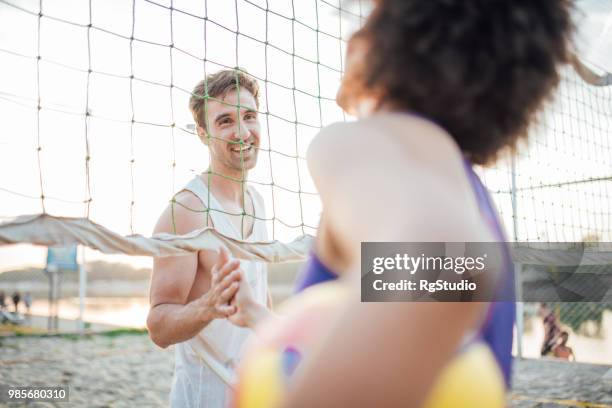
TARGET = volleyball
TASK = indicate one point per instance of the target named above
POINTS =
(472, 379)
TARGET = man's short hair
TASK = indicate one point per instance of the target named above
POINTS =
(216, 86)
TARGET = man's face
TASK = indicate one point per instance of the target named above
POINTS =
(233, 133)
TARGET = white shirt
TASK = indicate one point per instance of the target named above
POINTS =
(194, 383)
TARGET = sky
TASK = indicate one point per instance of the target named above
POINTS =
(134, 162)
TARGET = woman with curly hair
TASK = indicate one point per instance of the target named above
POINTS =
(438, 86)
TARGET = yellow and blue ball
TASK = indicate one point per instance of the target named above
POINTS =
(470, 380)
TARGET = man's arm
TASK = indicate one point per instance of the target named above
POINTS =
(172, 318)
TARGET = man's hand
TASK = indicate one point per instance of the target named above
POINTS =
(234, 299)
(225, 281)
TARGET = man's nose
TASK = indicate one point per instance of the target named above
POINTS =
(242, 131)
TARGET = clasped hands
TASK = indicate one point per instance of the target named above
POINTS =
(230, 296)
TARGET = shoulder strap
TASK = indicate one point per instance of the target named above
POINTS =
(217, 214)
(259, 226)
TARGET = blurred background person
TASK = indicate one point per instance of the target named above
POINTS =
(16, 300)
(552, 329)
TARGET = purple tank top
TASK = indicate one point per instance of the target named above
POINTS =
(497, 328)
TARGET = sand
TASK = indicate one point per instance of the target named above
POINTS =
(130, 371)
(101, 371)
(552, 383)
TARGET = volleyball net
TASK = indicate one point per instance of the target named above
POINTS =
(97, 126)
(97, 137)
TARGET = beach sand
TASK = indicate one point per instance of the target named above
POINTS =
(130, 371)
(548, 383)
(101, 371)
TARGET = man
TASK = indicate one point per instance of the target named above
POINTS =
(16, 300)
(205, 303)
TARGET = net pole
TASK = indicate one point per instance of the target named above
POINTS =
(82, 291)
(39, 107)
(132, 120)
(520, 307)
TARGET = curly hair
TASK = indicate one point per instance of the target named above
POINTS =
(481, 69)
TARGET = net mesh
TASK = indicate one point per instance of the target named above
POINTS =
(562, 176)
(98, 125)
(99, 92)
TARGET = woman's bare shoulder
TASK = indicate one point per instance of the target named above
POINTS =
(388, 147)
(393, 171)
(406, 139)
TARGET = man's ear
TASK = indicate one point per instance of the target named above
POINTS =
(202, 134)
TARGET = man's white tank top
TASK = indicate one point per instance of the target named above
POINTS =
(219, 344)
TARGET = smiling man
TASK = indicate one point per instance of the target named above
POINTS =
(204, 303)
